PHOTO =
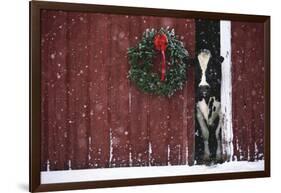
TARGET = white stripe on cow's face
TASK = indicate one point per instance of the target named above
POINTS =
(204, 58)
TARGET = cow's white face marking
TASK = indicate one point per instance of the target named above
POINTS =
(204, 58)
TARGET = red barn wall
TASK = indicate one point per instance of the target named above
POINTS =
(248, 90)
(87, 98)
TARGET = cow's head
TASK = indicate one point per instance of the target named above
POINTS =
(208, 74)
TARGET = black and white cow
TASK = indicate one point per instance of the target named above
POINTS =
(208, 112)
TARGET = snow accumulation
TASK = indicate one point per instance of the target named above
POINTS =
(63, 176)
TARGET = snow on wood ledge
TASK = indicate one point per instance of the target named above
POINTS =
(64, 176)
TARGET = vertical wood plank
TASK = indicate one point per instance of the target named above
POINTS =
(189, 92)
(70, 79)
(119, 99)
(176, 132)
(238, 63)
(52, 116)
(44, 93)
(78, 89)
(139, 135)
(99, 52)
(59, 64)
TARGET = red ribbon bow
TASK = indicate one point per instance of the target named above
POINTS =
(161, 43)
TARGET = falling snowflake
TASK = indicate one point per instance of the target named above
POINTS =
(254, 92)
(121, 35)
(239, 78)
(53, 56)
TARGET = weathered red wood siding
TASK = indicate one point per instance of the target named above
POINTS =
(248, 90)
(92, 115)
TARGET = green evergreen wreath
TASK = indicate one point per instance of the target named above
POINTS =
(142, 55)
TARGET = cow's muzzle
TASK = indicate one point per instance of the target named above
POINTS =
(204, 90)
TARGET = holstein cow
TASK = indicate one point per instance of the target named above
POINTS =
(208, 112)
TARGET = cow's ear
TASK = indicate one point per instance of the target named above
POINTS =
(221, 59)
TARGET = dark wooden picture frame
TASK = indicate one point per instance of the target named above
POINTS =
(35, 94)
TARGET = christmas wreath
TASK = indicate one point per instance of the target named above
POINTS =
(173, 75)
